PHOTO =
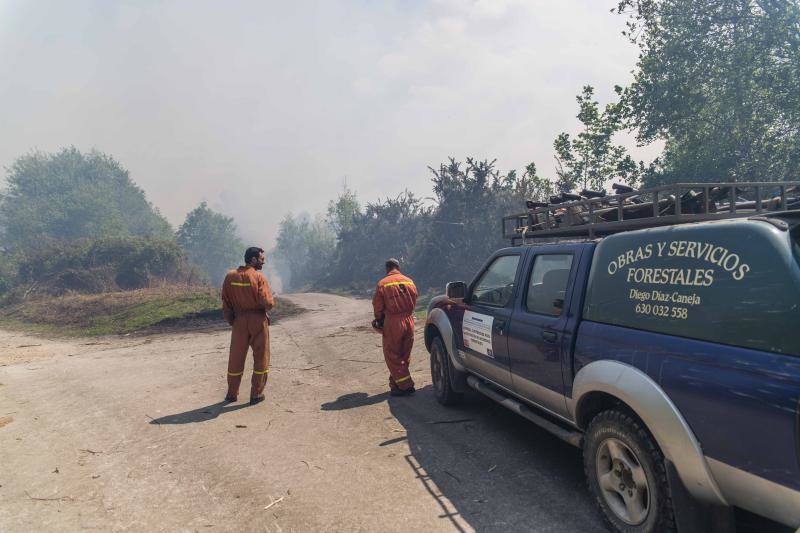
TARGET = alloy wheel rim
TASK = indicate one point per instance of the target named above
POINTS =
(623, 481)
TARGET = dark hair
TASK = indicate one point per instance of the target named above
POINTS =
(392, 263)
(252, 252)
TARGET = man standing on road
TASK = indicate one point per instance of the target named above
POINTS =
(246, 300)
(393, 303)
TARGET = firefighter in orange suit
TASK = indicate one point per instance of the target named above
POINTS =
(246, 299)
(393, 303)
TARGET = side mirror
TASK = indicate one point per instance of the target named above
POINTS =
(456, 290)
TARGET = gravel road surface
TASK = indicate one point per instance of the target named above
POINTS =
(130, 434)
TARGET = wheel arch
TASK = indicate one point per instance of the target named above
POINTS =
(592, 404)
(438, 323)
(603, 385)
(431, 331)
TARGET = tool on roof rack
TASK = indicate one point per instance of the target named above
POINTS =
(594, 213)
(535, 205)
(620, 188)
(586, 193)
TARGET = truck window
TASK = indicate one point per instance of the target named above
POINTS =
(548, 284)
(496, 286)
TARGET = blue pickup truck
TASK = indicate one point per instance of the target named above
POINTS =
(669, 353)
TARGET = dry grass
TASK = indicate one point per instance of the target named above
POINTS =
(173, 308)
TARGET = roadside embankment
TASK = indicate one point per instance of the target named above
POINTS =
(154, 310)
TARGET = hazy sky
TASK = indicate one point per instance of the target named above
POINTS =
(261, 107)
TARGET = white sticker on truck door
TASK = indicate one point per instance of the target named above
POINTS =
(477, 331)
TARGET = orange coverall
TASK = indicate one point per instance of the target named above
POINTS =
(395, 299)
(246, 298)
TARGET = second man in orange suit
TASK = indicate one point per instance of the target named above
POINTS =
(246, 300)
(393, 303)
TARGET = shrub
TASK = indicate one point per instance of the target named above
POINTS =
(101, 265)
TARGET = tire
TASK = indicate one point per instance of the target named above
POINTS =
(626, 474)
(440, 374)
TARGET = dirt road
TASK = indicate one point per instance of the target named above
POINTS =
(130, 434)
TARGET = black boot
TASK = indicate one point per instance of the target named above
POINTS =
(256, 399)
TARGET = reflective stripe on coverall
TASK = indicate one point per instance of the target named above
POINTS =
(395, 299)
(246, 298)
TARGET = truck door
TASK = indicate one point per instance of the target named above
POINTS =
(536, 337)
(487, 312)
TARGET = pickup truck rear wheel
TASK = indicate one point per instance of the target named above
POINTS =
(626, 474)
(440, 373)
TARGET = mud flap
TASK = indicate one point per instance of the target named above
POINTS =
(692, 516)
(458, 380)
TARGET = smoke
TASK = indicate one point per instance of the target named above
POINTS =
(275, 273)
(260, 108)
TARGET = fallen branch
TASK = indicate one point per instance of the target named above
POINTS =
(30, 289)
(28, 345)
(294, 367)
(279, 500)
(89, 451)
(359, 361)
(60, 499)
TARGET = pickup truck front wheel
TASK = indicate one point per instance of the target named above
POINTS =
(626, 474)
(440, 373)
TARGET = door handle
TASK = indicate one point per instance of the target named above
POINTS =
(550, 336)
(500, 326)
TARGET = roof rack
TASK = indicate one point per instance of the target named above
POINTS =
(593, 214)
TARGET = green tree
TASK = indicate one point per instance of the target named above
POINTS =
(386, 228)
(591, 159)
(471, 198)
(717, 80)
(343, 211)
(303, 250)
(531, 186)
(211, 242)
(435, 242)
(70, 195)
(9, 270)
